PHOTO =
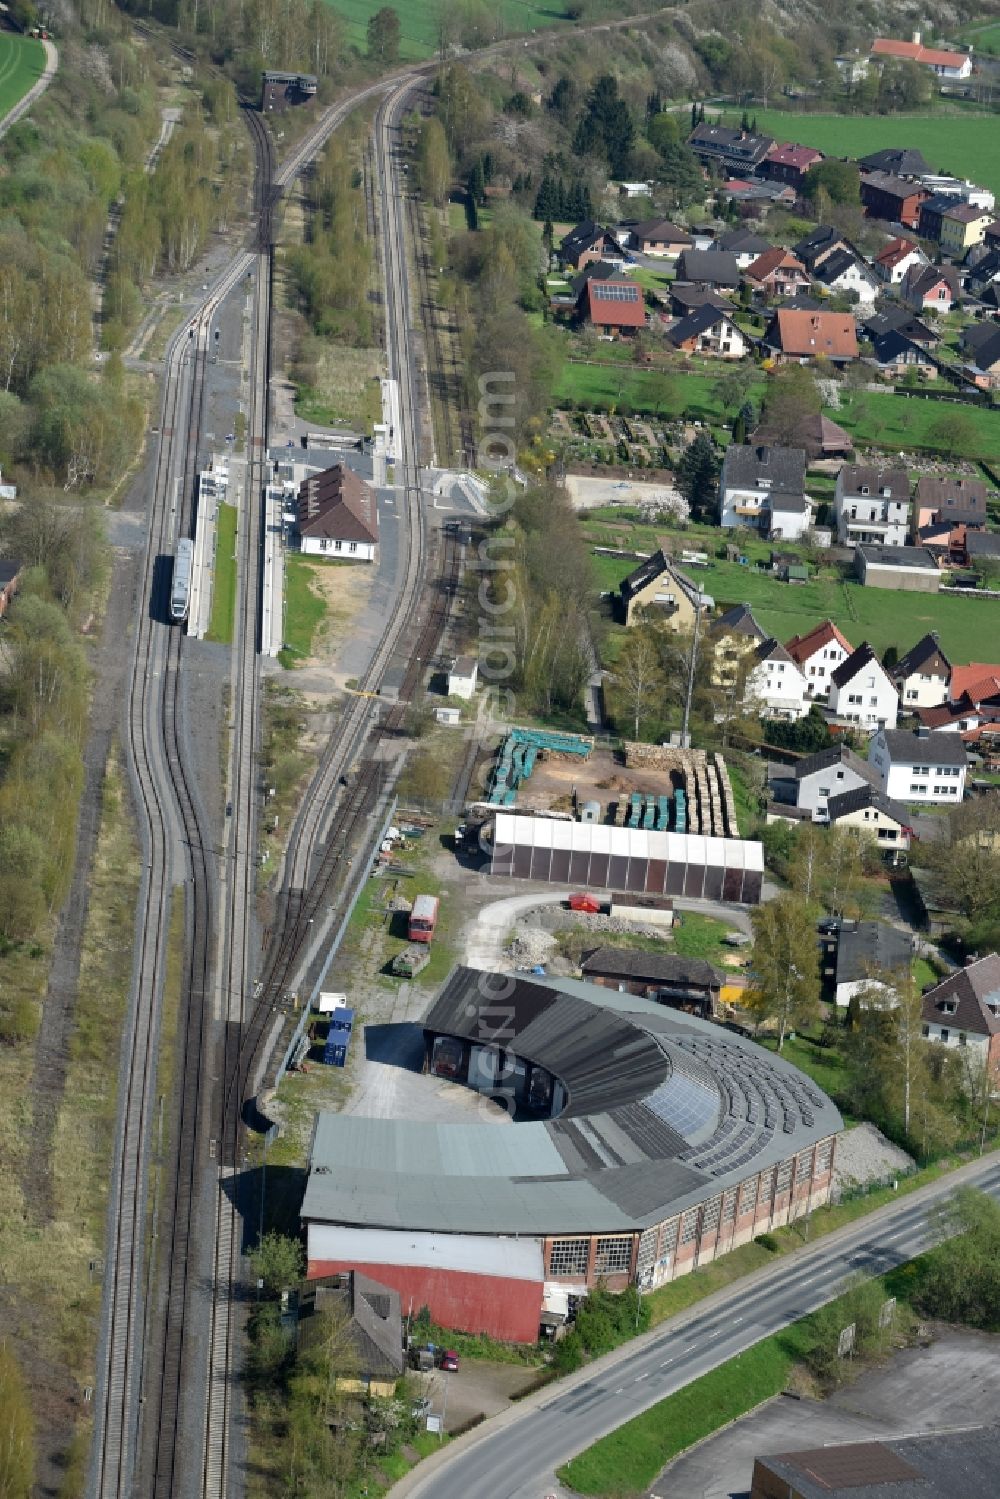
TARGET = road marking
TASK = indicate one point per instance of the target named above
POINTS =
(619, 1389)
(640, 1377)
(666, 1361)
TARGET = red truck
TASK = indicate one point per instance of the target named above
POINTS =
(423, 918)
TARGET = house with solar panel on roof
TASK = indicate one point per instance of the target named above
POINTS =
(645, 1142)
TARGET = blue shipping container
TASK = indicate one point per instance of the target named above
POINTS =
(338, 1039)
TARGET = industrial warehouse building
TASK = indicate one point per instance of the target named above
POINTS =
(602, 857)
(648, 1142)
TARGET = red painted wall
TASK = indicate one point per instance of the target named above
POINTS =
(504, 1308)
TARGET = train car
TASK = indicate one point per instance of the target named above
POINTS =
(180, 592)
(423, 918)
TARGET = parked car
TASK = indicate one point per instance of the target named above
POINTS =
(449, 1360)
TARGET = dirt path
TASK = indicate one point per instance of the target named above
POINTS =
(111, 660)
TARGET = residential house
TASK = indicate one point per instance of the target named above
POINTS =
(706, 330)
(685, 297)
(923, 675)
(789, 163)
(729, 150)
(732, 640)
(964, 1010)
(589, 242)
(945, 510)
(613, 303)
(371, 1316)
(983, 275)
(919, 767)
(777, 273)
(689, 984)
(862, 692)
(745, 244)
(895, 259)
(909, 569)
(935, 288)
(810, 335)
(991, 238)
(868, 811)
(659, 237)
(843, 274)
(950, 67)
(816, 779)
(981, 546)
(819, 653)
(775, 686)
(815, 433)
(893, 199)
(752, 198)
(896, 319)
(931, 219)
(896, 354)
(823, 240)
(852, 67)
(984, 356)
(462, 676)
(660, 587)
(872, 505)
(962, 226)
(900, 161)
(337, 515)
(755, 476)
(979, 682)
(860, 955)
(716, 268)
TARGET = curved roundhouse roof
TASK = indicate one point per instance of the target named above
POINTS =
(663, 1111)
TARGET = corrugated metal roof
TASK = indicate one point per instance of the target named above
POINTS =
(665, 1109)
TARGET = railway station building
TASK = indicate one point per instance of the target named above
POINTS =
(645, 1142)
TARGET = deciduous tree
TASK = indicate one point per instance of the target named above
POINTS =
(784, 977)
(383, 35)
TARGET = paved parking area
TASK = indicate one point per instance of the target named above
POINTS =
(953, 1382)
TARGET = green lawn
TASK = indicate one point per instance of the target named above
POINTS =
(627, 1460)
(896, 422)
(700, 937)
(304, 611)
(419, 30)
(825, 1066)
(661, 392)
(879, 615)
(22, 63)
(983, 38)
(224, 579)
(966, 144)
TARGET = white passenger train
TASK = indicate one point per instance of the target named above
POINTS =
(180, 592)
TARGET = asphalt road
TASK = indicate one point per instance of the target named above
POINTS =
(516, 1456)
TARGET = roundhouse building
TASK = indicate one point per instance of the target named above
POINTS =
(647, 1142)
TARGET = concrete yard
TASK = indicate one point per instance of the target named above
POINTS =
(953, 1382)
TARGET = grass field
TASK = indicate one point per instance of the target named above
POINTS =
(22, 63)
(983, 38)
(304, 610)
(419, 21)
(901, 423)
(644, 390)
(224, 579)
(966, 144)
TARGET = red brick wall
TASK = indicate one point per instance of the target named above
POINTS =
(504, 1308)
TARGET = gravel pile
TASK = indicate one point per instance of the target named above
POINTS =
(864, 1156)
(530, 945)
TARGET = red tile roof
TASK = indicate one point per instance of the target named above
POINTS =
(773, 260)
(896, 250)
(337, 504)
(801, 647)
(975, 681)
(791, 155)
(885, 46)
(814, 333)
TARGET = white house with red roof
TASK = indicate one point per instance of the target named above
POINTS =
(951, 66)
(819, 653)
(894, 260)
